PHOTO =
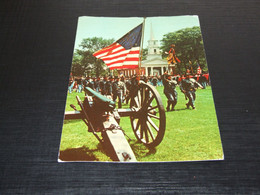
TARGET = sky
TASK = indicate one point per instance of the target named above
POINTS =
(112, 27)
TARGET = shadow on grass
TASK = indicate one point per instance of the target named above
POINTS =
(78, 154)
(179, 109)
(141, 150)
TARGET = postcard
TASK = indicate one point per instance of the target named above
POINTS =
(139, 91)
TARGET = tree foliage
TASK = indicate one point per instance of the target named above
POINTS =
(188, 46)
(83, 60)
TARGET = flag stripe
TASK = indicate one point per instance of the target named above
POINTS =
(124, 52)
(106, 49)
(113, 50)
(123, 61)
(131, 66)
(129, 58)
(119, 55)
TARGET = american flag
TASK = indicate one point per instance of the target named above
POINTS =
(124, 53)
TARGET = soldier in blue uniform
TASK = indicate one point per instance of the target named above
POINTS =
(188, 87)
(128, 89)
(108, 86)
(86, 84)
(91, 83)
(170, 91)
(118, 90)
(102, 85)
(97, 84)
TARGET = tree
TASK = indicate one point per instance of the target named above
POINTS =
(188, 46)
(77, 69)
(84, 56)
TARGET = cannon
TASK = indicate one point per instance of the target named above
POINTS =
(146, 113)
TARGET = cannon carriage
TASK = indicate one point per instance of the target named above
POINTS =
(146, 113)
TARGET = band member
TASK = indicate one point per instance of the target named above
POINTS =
(172, 60)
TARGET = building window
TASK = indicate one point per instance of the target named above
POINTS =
(154, 50)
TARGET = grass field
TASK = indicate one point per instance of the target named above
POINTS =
(190, 135)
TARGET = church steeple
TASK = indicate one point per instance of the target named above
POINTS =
(153, 46)
(151, 33)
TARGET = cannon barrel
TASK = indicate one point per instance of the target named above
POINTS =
(100, 101)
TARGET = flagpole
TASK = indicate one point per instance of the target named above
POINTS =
(141, 49)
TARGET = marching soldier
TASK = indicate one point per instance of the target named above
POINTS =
(134, 85)
(128, 88)
(154, 81)
(108, 86)
(91, 83)
(118, 90)
(122, 79)
(188, 87)
(102, 85)
(86, 84)
(170, 91)
(97, 84)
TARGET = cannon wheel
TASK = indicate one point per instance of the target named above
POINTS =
(148, 123)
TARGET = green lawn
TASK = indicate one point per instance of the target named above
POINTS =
(190, 135)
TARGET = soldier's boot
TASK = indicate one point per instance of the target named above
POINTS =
(173, 105)
(188, 105)
(168, 106)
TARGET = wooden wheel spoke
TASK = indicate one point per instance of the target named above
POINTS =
(152, 124)
(148, 102)
(137, 125)
(136, 102)
(152, 108)
(150, 131)
(153, 116)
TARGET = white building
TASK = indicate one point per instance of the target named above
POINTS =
(154, 65)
